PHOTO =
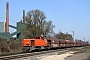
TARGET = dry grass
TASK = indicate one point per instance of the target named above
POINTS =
(83, 50)
(88, 58)
(88, 51)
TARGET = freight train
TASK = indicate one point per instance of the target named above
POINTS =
(40, 43)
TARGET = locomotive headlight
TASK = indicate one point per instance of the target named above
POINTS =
(27, 42)
(53, 41)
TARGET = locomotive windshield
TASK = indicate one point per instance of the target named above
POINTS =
(37, 37)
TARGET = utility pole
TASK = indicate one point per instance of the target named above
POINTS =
(73, 34)
(84, 39)
(73, 37)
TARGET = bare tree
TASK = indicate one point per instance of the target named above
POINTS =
(36, 24)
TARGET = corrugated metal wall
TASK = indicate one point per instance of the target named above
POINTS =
(2, 26)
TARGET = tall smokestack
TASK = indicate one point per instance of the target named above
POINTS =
(23, 16)
(7, 17)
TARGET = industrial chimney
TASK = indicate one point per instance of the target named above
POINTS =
(7, 17)
(23, 16)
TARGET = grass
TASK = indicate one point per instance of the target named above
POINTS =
(83, 50)
(88, 51)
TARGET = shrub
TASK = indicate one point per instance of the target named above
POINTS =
(15, 45)
(11, 46)
(3, 45)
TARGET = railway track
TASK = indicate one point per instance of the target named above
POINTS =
(10, 57)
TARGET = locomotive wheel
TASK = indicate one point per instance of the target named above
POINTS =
(25, 49)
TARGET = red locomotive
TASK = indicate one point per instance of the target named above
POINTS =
(33, 44)
(48, 43)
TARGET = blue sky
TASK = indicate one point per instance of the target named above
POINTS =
(66, 15)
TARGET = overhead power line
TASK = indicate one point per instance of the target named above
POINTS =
(9, 19)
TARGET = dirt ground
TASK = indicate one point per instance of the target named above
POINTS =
(80, 56)
(58, 57)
